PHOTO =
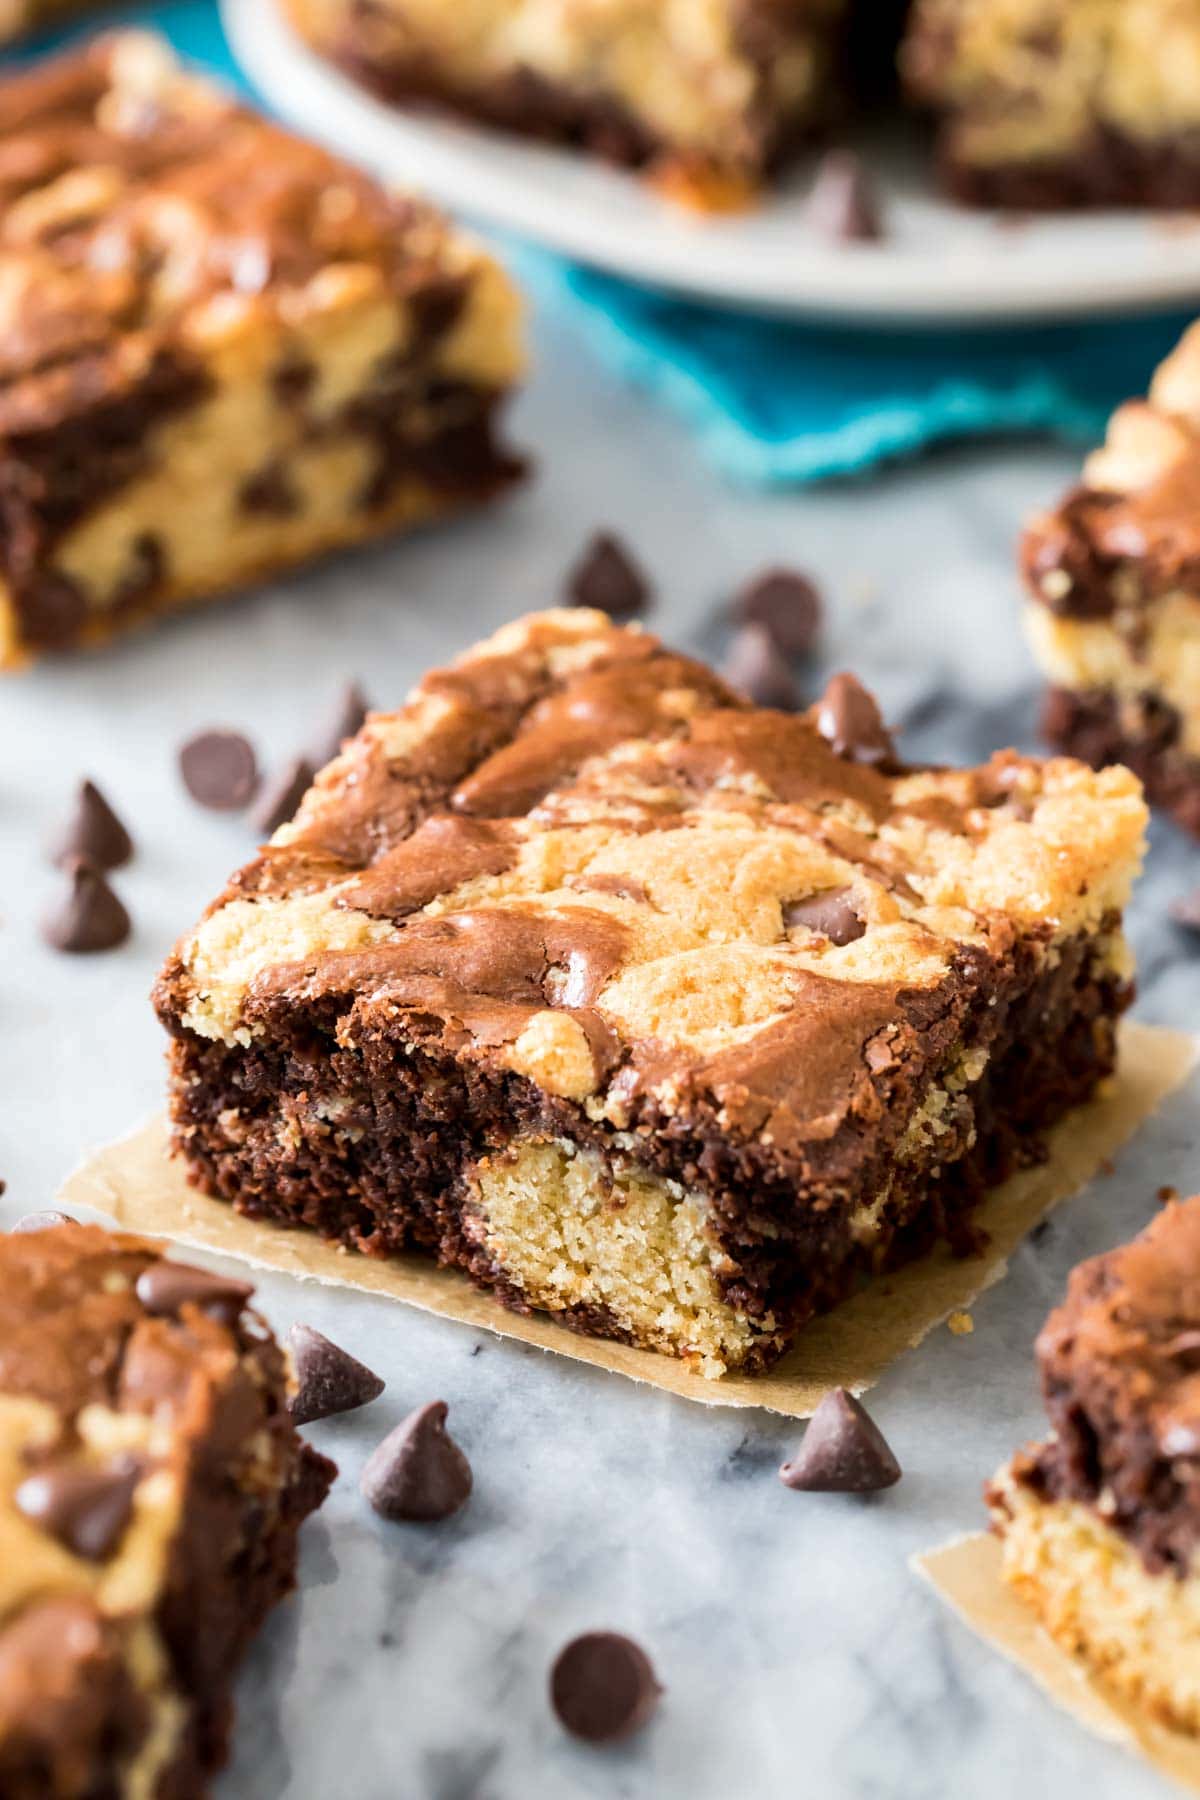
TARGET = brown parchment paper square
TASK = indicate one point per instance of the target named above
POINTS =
(966, 1574)
(137, 1183)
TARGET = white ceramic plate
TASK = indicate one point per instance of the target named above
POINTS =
(937, 261)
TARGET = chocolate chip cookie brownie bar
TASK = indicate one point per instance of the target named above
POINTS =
(151, 1488)
(655, 1010)
(713, 90)
(221, 350)
(1113, 575)
(1101, 1522)
(1066, 103)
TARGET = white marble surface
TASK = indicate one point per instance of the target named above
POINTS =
(800, 1656)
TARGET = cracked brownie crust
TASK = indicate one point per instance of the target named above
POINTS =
(1093, 104)
(713, 90)
(528, 983)
(1113, 575)
(224, 351)
(151, 1488)
(1101, 1522)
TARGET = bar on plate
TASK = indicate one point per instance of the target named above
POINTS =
(1056, 103)
(708, 96)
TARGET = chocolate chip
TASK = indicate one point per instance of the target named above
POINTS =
(1186, 912)
(42, 1221)
(755, 666)
(852, 724)
(785, 604)
(92, 831)
(831, 913)
(89, 917)
(282, 795)
(844, 1451)
(842, 203)
(603, 1687)
(345, 719)
(165, 1287)
(418, 1473)
(329, 1380)
(219, 770)
(607, 578)
(85, 1509)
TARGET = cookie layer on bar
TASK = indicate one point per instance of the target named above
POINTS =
(1101, 1522)
(151, 1488)
(715, 89)
(1069, 104)
(224, 351)
(1113, 575)
(643, 1004)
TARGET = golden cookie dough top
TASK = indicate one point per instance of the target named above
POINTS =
(581, 857)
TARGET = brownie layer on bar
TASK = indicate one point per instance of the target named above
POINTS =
(1101, 1522)
(708, 91)
(1061, 106)
(646, 1006)
(151, 1489)
(224, 351)
(1113, 575)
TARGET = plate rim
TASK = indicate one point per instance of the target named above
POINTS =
(866, 284)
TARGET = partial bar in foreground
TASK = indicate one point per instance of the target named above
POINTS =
(1100, 1524)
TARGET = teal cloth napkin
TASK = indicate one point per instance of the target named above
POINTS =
(775, 402)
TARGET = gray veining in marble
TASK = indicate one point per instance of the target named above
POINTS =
(800, 1656)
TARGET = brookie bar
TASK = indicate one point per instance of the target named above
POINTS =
(151, 1488)
(1068, 103)
(222, 352)
(712, 92)
(662, 1012)
(1114, 581)
(1101, 1522)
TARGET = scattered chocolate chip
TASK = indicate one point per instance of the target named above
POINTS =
(1186, 912)
(851, 723)
(89, 917)
(165, 1287)
(607, 578)
(842, 203)
(1164, 1195)
(92, 831)
(787, 605)
(220, 770)
(345, 718)
(418, 1472)
(282, 795)
(85, 1509)
(844, 1451)
(831, 913)
(603, 1687)
(42, 1221)
(328, 1379)
(755, 666)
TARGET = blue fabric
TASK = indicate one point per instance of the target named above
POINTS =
(773, 402)
(193, 26)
